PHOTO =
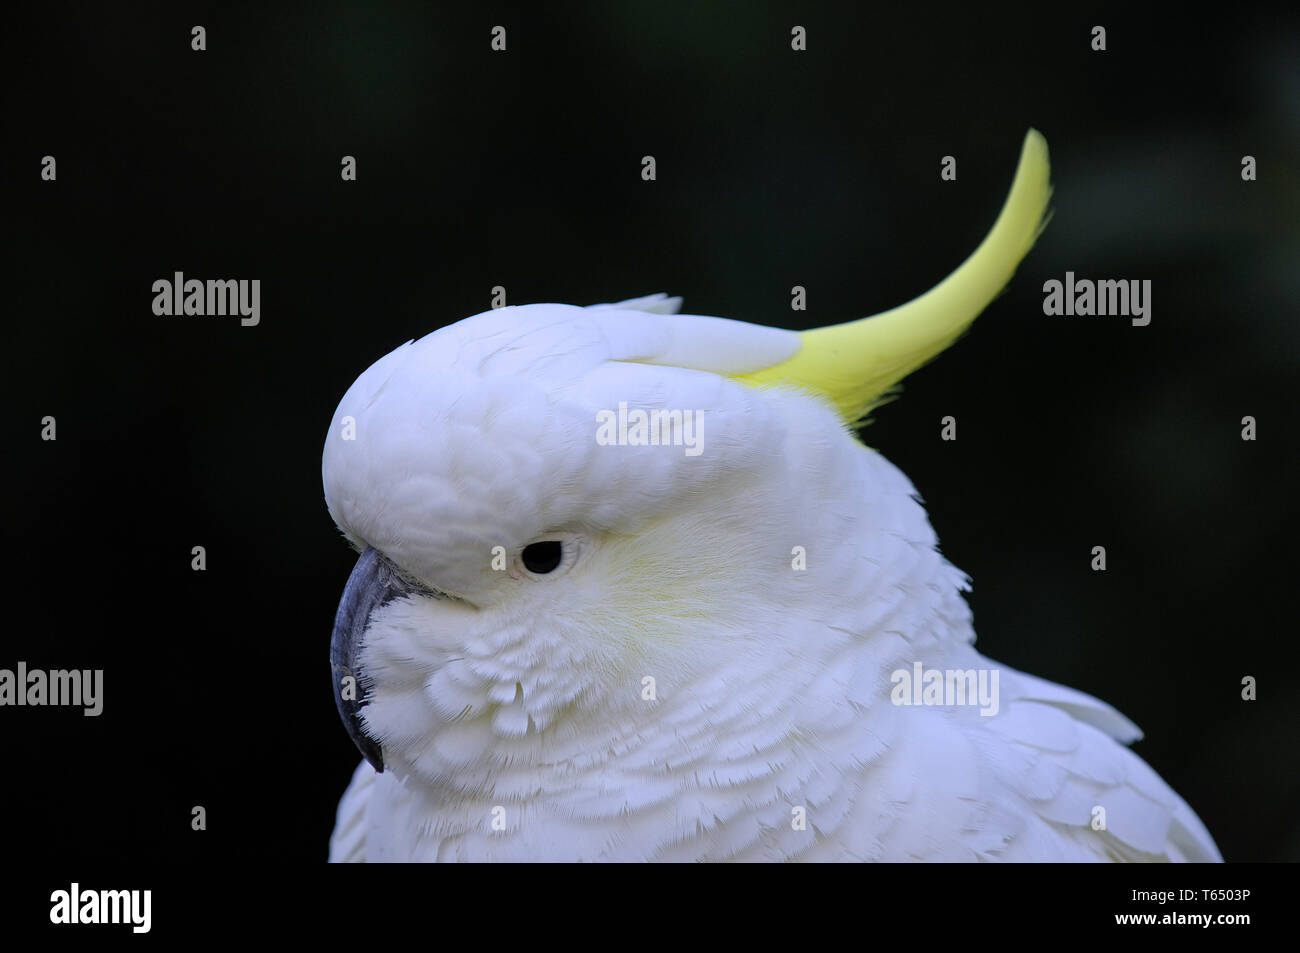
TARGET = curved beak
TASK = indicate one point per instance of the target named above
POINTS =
(374, 582)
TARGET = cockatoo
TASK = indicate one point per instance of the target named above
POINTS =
(631, 589)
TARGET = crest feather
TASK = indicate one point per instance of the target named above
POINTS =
(856, 364)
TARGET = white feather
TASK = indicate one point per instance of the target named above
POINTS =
(520, 704)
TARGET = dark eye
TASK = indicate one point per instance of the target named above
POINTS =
(543, 557)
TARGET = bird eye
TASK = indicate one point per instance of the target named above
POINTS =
(543, 557)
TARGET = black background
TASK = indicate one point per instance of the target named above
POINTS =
(522, 169)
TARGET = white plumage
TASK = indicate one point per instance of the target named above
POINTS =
(519, 702)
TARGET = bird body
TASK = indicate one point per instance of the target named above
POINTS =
(559, 647)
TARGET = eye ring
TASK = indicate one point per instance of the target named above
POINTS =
(548, 556)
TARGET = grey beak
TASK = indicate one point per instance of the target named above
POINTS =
(374, 582)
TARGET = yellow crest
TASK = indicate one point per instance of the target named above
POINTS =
(856, 364)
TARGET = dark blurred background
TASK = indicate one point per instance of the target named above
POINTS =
(522, 168)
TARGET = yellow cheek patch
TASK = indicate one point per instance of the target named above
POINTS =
(857, 363)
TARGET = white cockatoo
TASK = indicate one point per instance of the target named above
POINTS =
(630, 588)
